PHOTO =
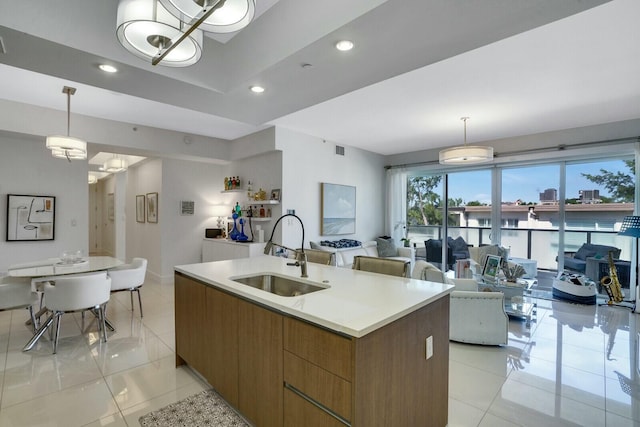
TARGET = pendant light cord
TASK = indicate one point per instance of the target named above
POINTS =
(464, 119)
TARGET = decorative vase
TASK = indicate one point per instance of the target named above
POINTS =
(241, 236)
(234, 231)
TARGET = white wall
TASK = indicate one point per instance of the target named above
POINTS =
(307, 162)
(27, 167)
(182, 235)
(144, 239)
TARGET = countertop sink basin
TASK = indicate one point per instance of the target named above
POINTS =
(279, 285)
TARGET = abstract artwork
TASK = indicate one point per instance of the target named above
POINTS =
(338, 206)
(30, 217)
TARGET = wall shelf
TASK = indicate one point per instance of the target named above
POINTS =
(263, 202)
(236, 190)
(254, 218)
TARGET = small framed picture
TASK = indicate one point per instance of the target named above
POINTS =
(275, 194)
(491, 268)
(187, 207)
(140, 207)
(152, 207)
(110, 207)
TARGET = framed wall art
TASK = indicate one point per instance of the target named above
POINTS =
(111, 207)
(152, 207)
(30, 217)
(187, 207)
(140, 207)
(338, 207)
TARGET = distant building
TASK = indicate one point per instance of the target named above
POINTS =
(589, 196)
(549, 197)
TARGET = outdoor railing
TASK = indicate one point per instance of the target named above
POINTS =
(538, 244)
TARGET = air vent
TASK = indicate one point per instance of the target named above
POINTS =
(339, 150)
(2, 49)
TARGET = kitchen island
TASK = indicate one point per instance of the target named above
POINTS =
(366, 350)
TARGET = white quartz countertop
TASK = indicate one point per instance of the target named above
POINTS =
(354, 302)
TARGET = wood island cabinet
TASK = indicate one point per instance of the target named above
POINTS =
(221, 337)
(190, 320)
(278, 370)
(260, 361)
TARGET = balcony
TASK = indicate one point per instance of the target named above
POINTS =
(539, 244)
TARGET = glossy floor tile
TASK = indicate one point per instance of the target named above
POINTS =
(575, 366)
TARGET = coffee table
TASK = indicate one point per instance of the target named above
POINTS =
(517, 302)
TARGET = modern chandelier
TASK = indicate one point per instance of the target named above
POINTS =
(67, 147)
(466, 154)
(170, 32)
(115, 165)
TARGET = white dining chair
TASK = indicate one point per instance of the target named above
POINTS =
(129, 277)
(15, 292)
(72, 293)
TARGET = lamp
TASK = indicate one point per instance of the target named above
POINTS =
(466, 154)
(146, 29)
(221, 211)
(230, 16)
(115, 165)
(631, 227)
(66, 147)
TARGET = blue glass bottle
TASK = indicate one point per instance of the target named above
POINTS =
(234, 232)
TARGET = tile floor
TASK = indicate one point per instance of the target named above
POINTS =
(576, 365)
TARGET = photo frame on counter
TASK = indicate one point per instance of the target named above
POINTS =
(275, 194)
(491, 268)
(140, 208)
(152, 207)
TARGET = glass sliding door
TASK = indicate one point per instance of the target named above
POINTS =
(529, 213)
(469, 206)
(469, 212)
(425, 211)
(599, 195)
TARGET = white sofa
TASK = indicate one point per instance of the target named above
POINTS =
(344, 256)
(474, 317)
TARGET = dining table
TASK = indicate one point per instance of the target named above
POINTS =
(39, 270)
(47, 270)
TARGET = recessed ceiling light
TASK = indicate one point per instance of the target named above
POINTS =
(344, 45)
(108, 68)
(256, 89)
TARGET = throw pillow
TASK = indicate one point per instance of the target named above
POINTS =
(314, 245)
(386, 247)
(458, 244)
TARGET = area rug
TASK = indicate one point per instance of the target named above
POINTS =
(206, 408)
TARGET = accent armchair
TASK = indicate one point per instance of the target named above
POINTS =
(474, 317)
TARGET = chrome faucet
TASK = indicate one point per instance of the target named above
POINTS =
(301, 257)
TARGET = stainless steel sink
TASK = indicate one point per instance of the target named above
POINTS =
(279, 285)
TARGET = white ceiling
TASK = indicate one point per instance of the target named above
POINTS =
(514, 67)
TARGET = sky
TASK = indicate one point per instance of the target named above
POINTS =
(525, 183)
